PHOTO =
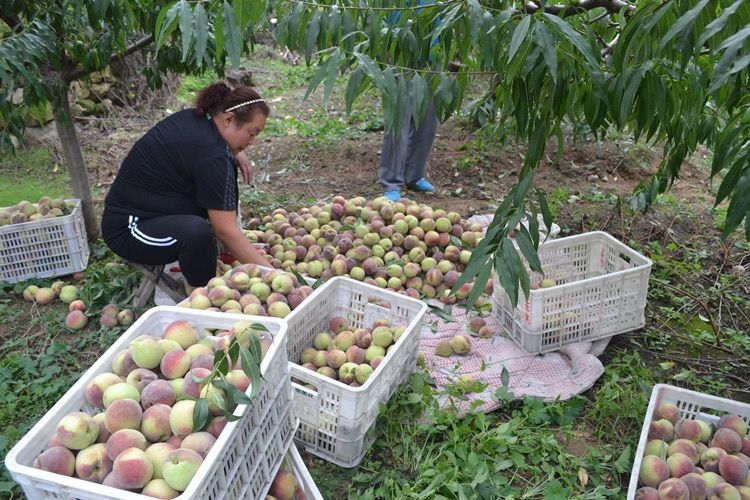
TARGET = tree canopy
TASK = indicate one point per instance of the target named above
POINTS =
(673, 73)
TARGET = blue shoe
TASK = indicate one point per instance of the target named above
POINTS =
(422, 186)
(394, 195)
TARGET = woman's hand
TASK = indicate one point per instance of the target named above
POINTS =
(245, 167)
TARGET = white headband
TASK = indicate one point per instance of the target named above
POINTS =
(246, 103)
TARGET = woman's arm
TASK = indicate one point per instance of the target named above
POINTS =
(224, 225)
(245, 167)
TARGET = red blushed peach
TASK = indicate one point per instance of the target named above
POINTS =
(182, 332)
(200, 442)
(155, 426)
(202, 361)
(174, 441)
(284, 485)
(158, 391)
(56, 459)
(93, 464)
(238, 379)
(123, 414)
(190, 387)
(175, 363)
(124, 439)
(123, 363)
(216, 425)
(104, 434)
(95, 389)
(133, 468)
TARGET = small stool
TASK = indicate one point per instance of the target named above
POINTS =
(153, 277)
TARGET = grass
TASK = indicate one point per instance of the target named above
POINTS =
(30, 174)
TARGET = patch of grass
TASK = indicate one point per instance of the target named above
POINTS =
(30, 174)
(557, 199)
(321, 128)
(192, 84)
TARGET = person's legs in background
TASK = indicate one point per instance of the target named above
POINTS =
(393, 157)
(187, 239)
(420, 146)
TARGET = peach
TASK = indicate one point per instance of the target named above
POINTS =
(123, 414)
(696, 485)
(335, 358)
(77, 305)
(734, 422)
(145, 352)
(727, 439)
(68, 293)
(373, 352)
(180, 467)
(76, 320)
(158, 488)
(382, 336)
(344, 340)
(653, 471)
(712, 479)
(680, 464)
(667, 411)
(355, 355)
(322, 340)
(120, 391)
(347, 372)
(200, 442)
(140, 378)
(182, 332)
(724, 491)
(308, 355)
(158, 391)
(56, 459)
(175, 441)
(191, 388)
(177, 385)
(687, 429)
(123, 363)
(30, 292)
(167, 345)
(104, 434)
(461, 344)
(108, 321)
(279, 310)
(686, 447)
(77, 430)
(156, 425)
(202, 361)
(284, 485)
(133, 468)
(175, 363)
(216, 425)
(710, 459)
(327, 371)
(238, 379)
(44, 296)
(93, 464)
(444, 348)
(647, 493)
(125, 317)
(363, 372)
(198, 349)
(123, 440)
(181, 418)
(656, 447)
(157, 453)
(362, 338)
(733, 469)
(95, 389)
(673, 489)
(661, 429)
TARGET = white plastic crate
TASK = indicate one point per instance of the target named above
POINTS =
(44, 248)
(236, 465)
(335, 417)
(292, 462)
(693, 405)
(600, 291)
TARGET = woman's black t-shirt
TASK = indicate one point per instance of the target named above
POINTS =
(181, 166)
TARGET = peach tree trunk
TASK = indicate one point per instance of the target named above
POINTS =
(74, 160)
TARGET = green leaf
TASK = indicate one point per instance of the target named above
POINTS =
(624, 462)
(519, 34)
(739, 206)
(504, 376)
(166, 22)
(527, 248)
(233, 41)
(683, 24)
(311, 36)
(577, 40)
(201, 414)
(331, 71)
(221, 363)
(245, 10)
(730, 181)
(201, 33)
(251, 367)
(353, 88)
(419, 98)
(186, 28)
(544, 40)
(718, 24)
(315, 80)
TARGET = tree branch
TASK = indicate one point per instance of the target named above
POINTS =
(79, 71)
(579, 7)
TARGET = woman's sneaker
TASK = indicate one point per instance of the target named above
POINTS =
(393, 195)
(421, 186)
